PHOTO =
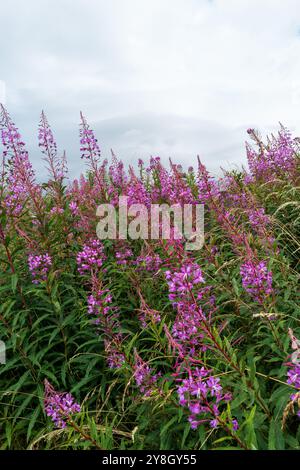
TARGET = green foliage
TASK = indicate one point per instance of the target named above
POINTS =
(48, 336)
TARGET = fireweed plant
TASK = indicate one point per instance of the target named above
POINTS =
(141, 344)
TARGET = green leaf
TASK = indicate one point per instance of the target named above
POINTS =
(14, 282)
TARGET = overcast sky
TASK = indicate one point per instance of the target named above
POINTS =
(174, 78)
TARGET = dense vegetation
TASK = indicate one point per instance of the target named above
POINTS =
(141, 344)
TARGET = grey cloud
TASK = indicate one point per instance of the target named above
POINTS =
(142, 135)
(171, 78)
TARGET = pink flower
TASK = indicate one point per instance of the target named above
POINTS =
(60, 406)
(256, 279)
(39, 266)
(91, 258)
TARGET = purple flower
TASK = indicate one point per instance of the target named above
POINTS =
(88, 143)
(56, 210)
(294, 376)
(183, 281)
(193, 422)
(106, 318)
(137, 193)
(208, 187)
(214, 423)
(150, 263)
(214, 386)
(235, 424)
(122, 256)
(202, 394)
(59, 406)
(20, 176)
(256, 279)
(39, 266)
(143, 375)
(195, 408)
(114, 356)
(276, 158)
(258, 218)
(293, 373)
(73, 208)
(56, 166)
(91, 258)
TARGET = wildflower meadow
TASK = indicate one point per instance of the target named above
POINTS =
(138, 342)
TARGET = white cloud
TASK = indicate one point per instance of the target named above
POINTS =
(167, 77)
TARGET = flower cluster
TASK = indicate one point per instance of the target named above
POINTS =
(47, 144)
(137, 192)
(73, 208)
(123, 256)
(192, 334)
(294, 372)
(186, 292)
(180, 192)
(187, 328)
(293, 379)
(91, 258)
(208, 187)
(182, 282)
(143, 375)
(13, 200)
(106, 318)
(148, 314)
(11, 138)
(256, 279)
(202, 394)
(89, 147)
(45, 136)
(99, 304)
(39, 266)
(59, 406)
(57, 210)
(117, 173)
(294, 376)
(258, 218)
(275, 158)
(21, 176)
(151, 262)
(114, 356)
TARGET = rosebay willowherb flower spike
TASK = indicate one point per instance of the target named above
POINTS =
(21, 184)
(182, 282)
(14, 147)
(143, 375)
(123, 256)
(90, 151)
(59, 406)
(89, 147)
(293, 379)
(256, 279)
(150, 262)
(208, 187)
(56, 166)
(106, 318)
(91, 258)
(202, 394)
(114, 356)
(294, 372)
(276, 159)
(39, 266)
(185, 292)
